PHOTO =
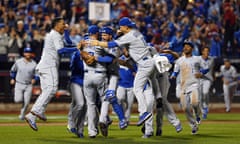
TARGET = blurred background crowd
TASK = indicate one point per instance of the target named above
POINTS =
(164, 23)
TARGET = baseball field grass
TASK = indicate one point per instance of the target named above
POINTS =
(219, 128)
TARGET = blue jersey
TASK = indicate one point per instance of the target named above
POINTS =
(126, 76)
(76, 67)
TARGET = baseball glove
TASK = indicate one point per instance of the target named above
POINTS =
(88, 58)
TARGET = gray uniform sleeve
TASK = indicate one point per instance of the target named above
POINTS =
(176, 66)
(58, 41)
(234, 72)
(123, 40)
(14, 67)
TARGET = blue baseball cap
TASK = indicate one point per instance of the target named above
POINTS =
(187, 41)
(107, 30)
(125, 21)
(27, 50)
(93, 29)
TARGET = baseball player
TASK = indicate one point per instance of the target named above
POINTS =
(206, 81)
(22, 74)
(109, 57)
(125, 87)
(95, 82)
(190, 70)
(47, 69)
(77, 111)
(139, 52)
(229, 77)
(166, 108)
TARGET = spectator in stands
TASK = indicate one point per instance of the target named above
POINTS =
(216, 46)
(74, 35)
(14, 45)
(3, 42)
(22, 35)
(115, 12)
(237, 41)
(37, 44)
(229, 21)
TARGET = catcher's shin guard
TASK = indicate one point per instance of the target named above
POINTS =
(111, 97)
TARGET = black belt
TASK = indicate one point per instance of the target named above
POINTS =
(96, 71)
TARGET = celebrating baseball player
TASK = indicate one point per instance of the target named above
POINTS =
(229, 77)
(23, 76)
(206, 81)
(163, 107)
(110, 59)
(139, 52)
(95, 82)
(190, 70)
(167, 107)
(48, 71)
(78, 108)
(125, 86)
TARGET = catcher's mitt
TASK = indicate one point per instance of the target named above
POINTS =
(88, 58)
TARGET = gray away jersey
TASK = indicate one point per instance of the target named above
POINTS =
(208, 64)
(53, 42)
(95, 51)
(228, 74)
(187, 68)
(25, 70)
(135, 43)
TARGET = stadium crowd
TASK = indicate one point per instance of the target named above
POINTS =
(164, 23)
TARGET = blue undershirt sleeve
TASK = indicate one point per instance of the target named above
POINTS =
(112, 44)
(67, 50)
(67, 37)
(13, 74)
(204, 71)
(105, 59)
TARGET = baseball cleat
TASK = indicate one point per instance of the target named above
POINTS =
(159, 132)
(31, 122)
(198, 120)
(178, 128)
(194, 129)
(80, 135)
(103, 129)
(93, 136)
(71, 130)
(145, 116)
(123, 124)
(40, 116)
(147, 135)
